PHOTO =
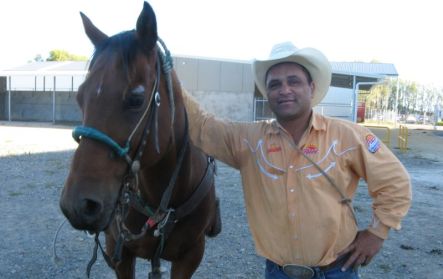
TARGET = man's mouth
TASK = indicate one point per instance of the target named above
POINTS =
(285, 101)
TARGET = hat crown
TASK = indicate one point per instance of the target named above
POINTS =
(281, 50)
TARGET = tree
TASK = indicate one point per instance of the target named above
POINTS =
(63, 55)
(38, 58)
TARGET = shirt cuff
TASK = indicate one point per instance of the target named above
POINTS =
(381, 230)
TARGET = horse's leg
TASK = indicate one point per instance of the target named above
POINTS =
(189, 262)
(125, 269)
(216, 224)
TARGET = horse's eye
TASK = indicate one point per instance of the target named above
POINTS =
(136, 98)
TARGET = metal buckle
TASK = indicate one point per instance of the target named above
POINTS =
(298, 271)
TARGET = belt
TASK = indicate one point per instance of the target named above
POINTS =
(300, 271)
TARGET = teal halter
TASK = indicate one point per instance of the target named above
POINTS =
(92, 133)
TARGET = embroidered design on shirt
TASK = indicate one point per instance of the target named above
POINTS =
(373, 143)
(266, 167)
(273, 148)
(331, 165)
(310, 149)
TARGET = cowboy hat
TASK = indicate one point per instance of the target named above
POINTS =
(313, 60)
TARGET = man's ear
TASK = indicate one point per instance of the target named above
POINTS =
(312, 85)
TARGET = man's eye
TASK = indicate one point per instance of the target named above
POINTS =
(273, 85)
(136, 97)
(293, 81)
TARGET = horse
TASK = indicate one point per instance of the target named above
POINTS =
(135, 175)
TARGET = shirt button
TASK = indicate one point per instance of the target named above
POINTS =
(291, 166)
(291, 190)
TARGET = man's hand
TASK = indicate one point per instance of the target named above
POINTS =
(364, 247)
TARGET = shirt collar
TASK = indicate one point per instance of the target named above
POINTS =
(316, 122)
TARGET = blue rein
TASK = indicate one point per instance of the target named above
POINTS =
(92, 133)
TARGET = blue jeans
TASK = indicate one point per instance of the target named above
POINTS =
(273, 271)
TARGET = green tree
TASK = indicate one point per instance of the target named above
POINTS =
(38, 58)
(63, 55)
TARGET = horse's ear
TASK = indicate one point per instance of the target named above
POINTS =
(147, 28)
(94, 34)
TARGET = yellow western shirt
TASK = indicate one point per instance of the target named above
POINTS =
(295, 215)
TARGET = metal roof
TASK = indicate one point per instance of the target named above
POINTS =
(49, 68)
(364, 69)
(80, 67)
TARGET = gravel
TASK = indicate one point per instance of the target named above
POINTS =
(33, 177)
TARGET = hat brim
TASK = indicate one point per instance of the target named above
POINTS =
(313, 60)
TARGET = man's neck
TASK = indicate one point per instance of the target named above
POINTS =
(296, 127)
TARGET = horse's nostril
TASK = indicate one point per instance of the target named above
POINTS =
(91, 208)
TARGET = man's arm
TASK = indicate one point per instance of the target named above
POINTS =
(216, 137)
(390, 188)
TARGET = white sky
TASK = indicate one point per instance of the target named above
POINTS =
(406, 33)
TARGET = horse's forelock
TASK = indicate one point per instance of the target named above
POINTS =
(124, 44)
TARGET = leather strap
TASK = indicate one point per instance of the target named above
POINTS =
(201, 191)
(344, 198)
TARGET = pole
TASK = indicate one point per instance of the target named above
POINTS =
(53, 100)
(396, 102)
(9, 98)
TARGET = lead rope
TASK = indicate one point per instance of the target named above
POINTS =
(94, 256)
(344, 199)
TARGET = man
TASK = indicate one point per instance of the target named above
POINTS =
(300, 171)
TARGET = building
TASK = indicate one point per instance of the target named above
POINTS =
(45, 91)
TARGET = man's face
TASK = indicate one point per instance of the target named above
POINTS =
(289, 91)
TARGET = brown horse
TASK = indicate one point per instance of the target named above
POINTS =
(135, 175)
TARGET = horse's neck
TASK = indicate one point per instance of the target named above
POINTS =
(156, 178)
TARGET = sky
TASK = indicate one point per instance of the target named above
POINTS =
(406, 33)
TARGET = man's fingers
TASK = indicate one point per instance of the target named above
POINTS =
(367, 261)
(350, 261)
(360, 261)
(346, 250)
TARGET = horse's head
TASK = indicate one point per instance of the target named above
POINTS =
(117, 99)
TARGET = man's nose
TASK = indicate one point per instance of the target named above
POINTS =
(285, 88)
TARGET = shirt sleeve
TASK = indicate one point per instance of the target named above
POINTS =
(388, 182)
(216, 137)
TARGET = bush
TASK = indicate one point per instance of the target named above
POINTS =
(439, 123)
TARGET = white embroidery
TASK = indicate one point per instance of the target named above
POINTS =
(312, 176)
(331, 148)
(331, 165)
(255, 154)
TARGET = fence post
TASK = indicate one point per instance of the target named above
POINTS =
(53, 100)
(403, 138)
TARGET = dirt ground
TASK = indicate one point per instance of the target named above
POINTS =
(34, 160)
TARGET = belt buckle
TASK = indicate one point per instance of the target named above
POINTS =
(296, 271)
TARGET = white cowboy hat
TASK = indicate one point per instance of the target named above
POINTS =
(313, 60)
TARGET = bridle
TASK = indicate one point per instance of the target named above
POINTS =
(163, 218)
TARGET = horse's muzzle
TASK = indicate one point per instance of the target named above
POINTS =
(85, 214)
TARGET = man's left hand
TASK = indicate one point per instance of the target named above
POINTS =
(364, 247)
